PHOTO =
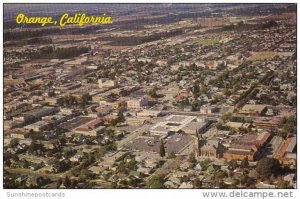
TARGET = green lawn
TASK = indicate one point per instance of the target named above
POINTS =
(206, 42)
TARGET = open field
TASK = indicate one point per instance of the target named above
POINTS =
(260, 56)
(206, 42)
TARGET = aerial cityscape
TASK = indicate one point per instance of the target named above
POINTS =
(165, 96)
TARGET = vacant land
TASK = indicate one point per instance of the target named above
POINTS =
(261, 56)
(206, 42)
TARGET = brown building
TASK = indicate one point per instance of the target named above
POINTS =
(210, 148)
(247, 146)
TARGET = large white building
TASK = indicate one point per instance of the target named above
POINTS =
(176, 123)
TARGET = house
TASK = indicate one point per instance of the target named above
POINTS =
(170, 185)
(54, 100)
(144, 170)
(210, 169)
(135, 174)
(186, 185)
(20, 134)
(228, 181)
(114, 178)
(198, 167)
(77, 157)
(262, 185)
(176, 181)
(184, 166)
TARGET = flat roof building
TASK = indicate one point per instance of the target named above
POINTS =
(176, 123)
(253, 109)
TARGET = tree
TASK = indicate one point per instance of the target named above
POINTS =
(196, 90)
(67, 182)
(192, 159)
(203, 89)
(232, 165)
(152, 92)
(84, 174)
(172, 155)
(267, 166)
(243, 130)
(121, 168)
(13, 143)
(205, 164)
(245, 163)
(121, 117)
(35, 147)
(156, 181)
(162, 151)
(111, 147)
(288, 125)
(245, 180)
(226, 117)
(282, 184)
(218, 178)
(59, 182)
(73, 184)
(197, 183)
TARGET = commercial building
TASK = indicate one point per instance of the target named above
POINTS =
(253, 109)
(247, 146)
(37, 126)
(177, 123)
(92, 128)
(208, 109)
(40, 112)
(137, 103)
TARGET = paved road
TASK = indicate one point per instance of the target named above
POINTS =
(214, 116)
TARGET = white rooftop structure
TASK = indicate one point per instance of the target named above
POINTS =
(175, 123)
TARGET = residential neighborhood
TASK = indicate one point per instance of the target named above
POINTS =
(168, 96)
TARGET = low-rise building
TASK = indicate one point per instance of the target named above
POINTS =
(92, 128)
(253, 109)
(176, 123)
(247, 146)
(137, 103)
(107, 83)
(37, 126)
